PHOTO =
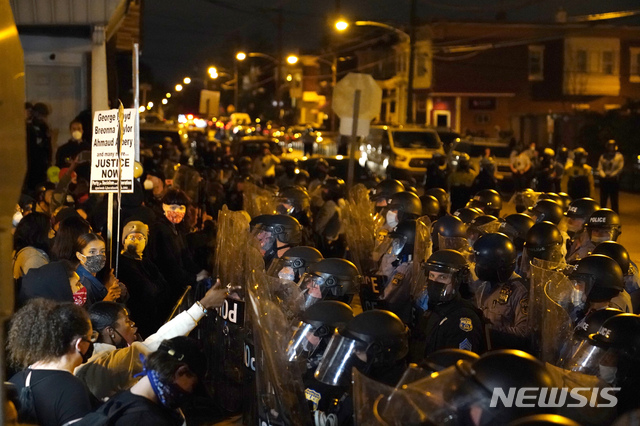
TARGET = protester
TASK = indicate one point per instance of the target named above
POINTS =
(30, 244)
(91, 252)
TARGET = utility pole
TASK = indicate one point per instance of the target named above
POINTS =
(279, 61)
(412, 54)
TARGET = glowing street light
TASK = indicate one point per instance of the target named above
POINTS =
(342, 25)
(241, 56)
(292, 59)
(165, 101)
(289, 77)
(150, 105)
(141, 109)
(178, 87)
(186, 80)
(167, 95)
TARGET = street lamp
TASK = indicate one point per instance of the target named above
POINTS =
(342, 25)
(241, 56)
(178, 87)
(167, 95)
(186, 80)
(165, 101)
(292, 59)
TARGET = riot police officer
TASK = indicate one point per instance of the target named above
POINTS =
(544, 242)
(374, 342)
(317, 326)
(443, 318)
(489, 201)
(617, 252)
(276, 233)
(390, 287)
(576, 216)
(502, 295)
(610, 166)
(294, 263)
(383, 191)
(602, 225)
(467, 214)
(577, 180)
(330, 279)
(515, 226)
(596, 281)
(327, 224)
(403, 205)
(450, 229)
(460, 182)
(480, 226)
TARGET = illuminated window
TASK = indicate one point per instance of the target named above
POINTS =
(536, 63)
(608, 64)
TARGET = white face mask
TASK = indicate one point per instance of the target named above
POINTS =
(606, 373)
(287, 273)
(392, 219)
(598, 240)
(576, 297)
(148, 185)
(76, 135)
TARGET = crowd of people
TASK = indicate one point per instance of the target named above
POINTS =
(391, 284)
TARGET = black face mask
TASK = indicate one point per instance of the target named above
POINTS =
(131, 252)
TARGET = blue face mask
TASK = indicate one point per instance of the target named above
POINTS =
(169, 394)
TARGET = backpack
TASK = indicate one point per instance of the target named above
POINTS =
(107, 417)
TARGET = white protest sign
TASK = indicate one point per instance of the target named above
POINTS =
(104, 151)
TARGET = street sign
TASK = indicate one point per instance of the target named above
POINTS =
(343, 102)
(104, 152)
(209, 103)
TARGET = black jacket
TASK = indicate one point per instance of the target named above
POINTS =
(49, 281)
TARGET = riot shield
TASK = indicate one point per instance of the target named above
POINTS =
(279, 386)
(524, 200)
(549, 301)
(188, 180)
(360, 228)
(422, 248)
(257, 201)
(237, 255)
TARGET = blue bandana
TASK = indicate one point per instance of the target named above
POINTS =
(169, 394)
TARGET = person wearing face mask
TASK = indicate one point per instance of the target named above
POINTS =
(170, 376)
(116, 359)
(168, 249)
(597, 281)
(617, 252)
(67, 152)
(57, 281)
(50, 394)
(444, 319)
(402, 206)
(576, 217)
(602, 225)
(276, 233)
(502, 295)
(294, 263)
(148, 290)
(381, 194)
(91, 252)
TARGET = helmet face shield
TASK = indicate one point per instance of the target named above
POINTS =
(304, 342)
(311, 287)
(382, 248)
(586, 358)
(599, 235)
(265, 237)
(397, 244)
(341, 355)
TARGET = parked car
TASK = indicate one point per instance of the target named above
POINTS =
(399, 151)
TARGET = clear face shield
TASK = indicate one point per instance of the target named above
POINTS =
(460, 244)
(593, 360)
(341, 355)
(265, 237)
(599, 235)
(305, 341)
(582, 285)
(572, 224)
(382, 248)
(397, 244)
(283, 269)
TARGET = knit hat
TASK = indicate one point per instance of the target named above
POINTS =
(135, 227)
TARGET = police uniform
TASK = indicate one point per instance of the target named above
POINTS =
(505, 307)
(578, 181)
(581, 248)
(454, 324)
(389, 288)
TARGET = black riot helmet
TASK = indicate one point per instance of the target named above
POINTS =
(599, 277)
(292, 200)
(495, 257)
(464, 161)
(430, 207)
(331, 279)
(372, 340)
(295, 262)
(547, 210)
(551, 196)
(333, 189)
(320, 320)
(516, 226)
(617, 252)
(407, 204)
(445, 262)
(544, 241)
(543, 420)
(481, 225)
(447, 226)
(601, 222)
(621, 332)
(582, 208)
(490, 201)
(566, 200)
(591, 323)
(403, 238)
(271, 228)
(580, 156)
(503, 369)
(442, 197)
(467, 214)
(385, 189)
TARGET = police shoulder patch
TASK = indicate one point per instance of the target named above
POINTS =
(397, 279)
(313, 396)
(465, 324)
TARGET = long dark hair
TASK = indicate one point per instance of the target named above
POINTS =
(32, 231)
(66, 236)
(83, 241)
(44, 330)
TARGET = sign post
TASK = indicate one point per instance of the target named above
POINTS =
(356, 100)
(112, 162)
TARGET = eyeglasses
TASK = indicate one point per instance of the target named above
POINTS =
(135, 237)
(93, 338)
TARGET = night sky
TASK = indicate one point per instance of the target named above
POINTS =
(184, 37)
